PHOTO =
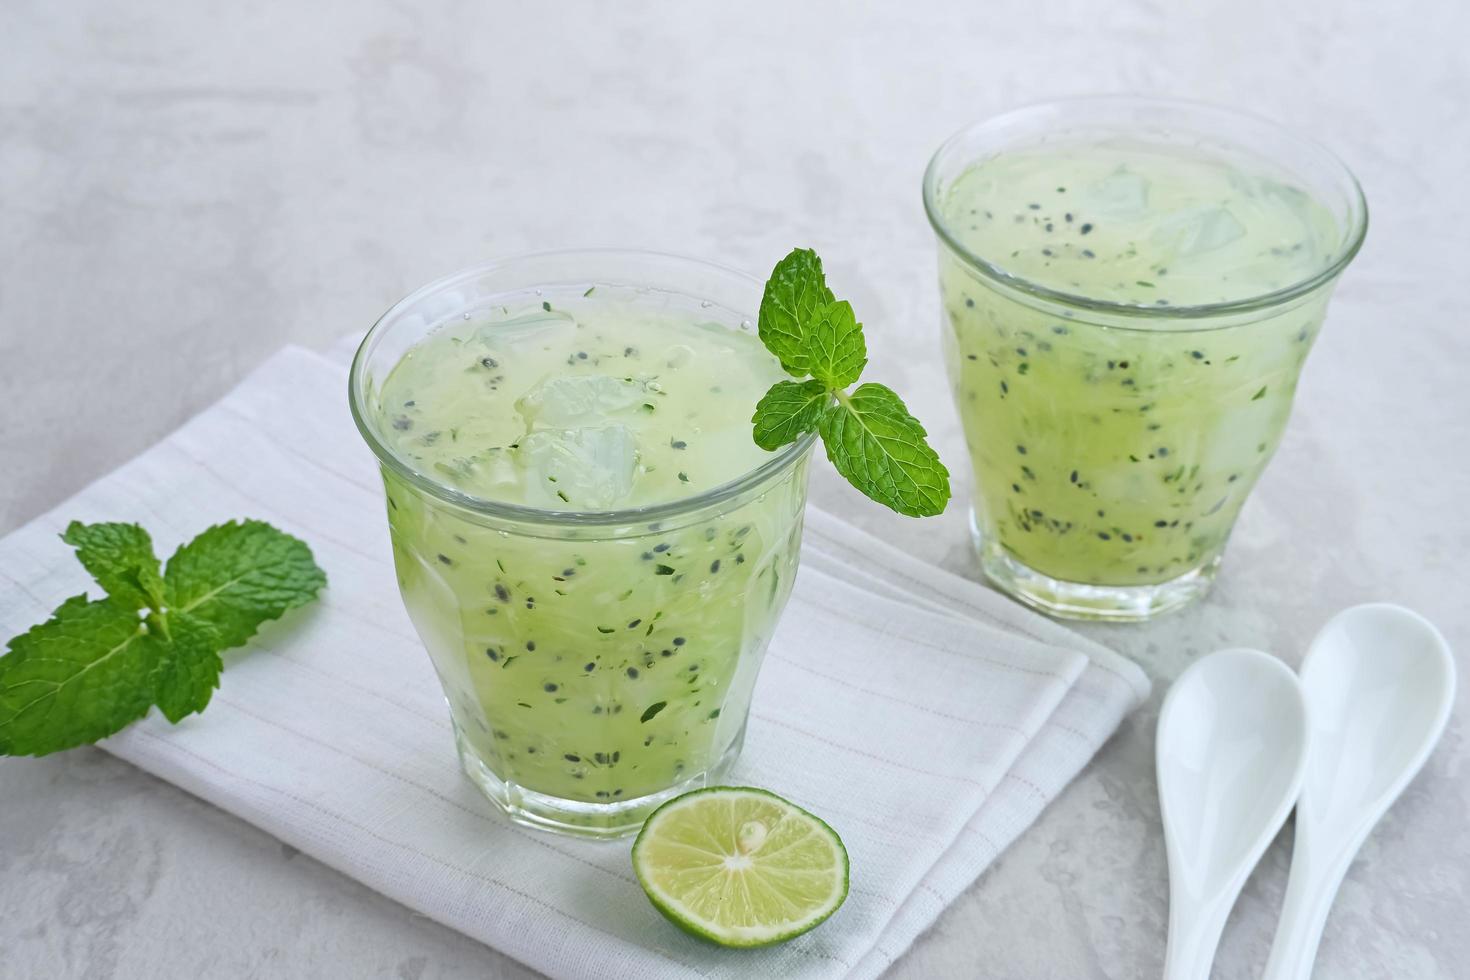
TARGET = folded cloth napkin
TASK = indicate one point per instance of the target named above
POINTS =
(925, 718)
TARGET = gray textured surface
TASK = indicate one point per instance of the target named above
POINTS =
(186, 187)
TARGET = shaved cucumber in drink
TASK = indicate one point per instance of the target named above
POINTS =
(592, 671)
(1119, 355)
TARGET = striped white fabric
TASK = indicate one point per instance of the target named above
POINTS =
(926, 718)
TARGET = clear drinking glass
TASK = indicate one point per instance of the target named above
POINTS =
(1114, 433)
(595, 664)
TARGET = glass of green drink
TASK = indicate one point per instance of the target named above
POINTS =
(1130, 288)
(588, 541)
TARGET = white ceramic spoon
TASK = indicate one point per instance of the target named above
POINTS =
(1379, 681)
(1231, 749)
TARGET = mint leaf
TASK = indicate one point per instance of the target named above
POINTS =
(84, 674)
(873, 441)
(94, 668)
(236, 576)
(796, 290)
(788, 410)
(120, 557)
(839, 352)
(186, 678)
(870, 436)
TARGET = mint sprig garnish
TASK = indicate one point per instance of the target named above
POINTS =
(98, 665)
(869, 434)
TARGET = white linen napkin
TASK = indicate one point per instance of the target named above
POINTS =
(925, 718)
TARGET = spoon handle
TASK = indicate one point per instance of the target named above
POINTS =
(1310, 891)
(1194, 934)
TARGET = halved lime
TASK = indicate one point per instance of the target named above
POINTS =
(740, 866)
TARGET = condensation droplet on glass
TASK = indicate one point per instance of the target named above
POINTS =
(744, 324)
(705, 304)
(466, 316)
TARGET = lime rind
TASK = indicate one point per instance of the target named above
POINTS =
(740, 866)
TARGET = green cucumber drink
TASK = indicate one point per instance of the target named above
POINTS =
(588, 541)
(1130, 290)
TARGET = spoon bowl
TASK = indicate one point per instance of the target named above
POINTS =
(1379, 682)
(1231, 753)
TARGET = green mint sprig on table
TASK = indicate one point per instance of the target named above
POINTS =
(98, 665)
(870, 436)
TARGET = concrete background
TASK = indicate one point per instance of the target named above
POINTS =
(186, 187)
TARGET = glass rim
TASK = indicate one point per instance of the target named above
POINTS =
(1352, 240)
(784, 459)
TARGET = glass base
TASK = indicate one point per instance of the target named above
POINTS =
(1079, 600)
(599, 821)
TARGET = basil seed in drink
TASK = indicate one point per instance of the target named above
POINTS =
(588, 541)
(1128, 308)
(1165, 432)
